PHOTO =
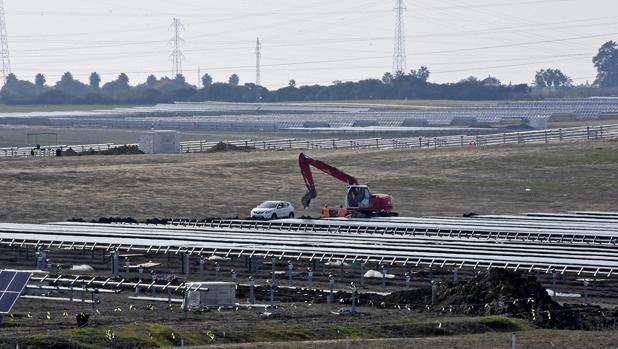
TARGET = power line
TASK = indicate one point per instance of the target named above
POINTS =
(258, 57)
(177, 42)
(399, 53)
(4, 44)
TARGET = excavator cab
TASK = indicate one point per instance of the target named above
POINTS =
(358, 197)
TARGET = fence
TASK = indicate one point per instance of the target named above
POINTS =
(573, 134)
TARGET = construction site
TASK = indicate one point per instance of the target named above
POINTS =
(371, 205)
(486, 240)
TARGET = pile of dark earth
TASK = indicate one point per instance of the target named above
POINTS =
(496, 292)
(121, 150)
(223, 147)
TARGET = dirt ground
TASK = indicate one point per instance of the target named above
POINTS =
(513, 179)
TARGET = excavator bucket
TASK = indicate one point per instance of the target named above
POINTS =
(306, 199)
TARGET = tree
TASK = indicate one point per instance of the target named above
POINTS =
(39, 80)
(234, 80)
(67, 78)
(123, 79)
(387, 78)
(95, 80)
(606, 62)
(421, 74)
(551, 78)
(180, 78)
(70, 90)
(206, 80)
(151, 80)
(292, 83)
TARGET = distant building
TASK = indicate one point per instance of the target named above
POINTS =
(159, 142)
(490, 81)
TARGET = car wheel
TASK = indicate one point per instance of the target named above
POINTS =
(291, 215)
(274, 216)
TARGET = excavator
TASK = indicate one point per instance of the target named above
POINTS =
(359, 201)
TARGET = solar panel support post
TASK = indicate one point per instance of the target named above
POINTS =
(201, 267)
(353, 299)
(514, 341)
(383, 277)
(41, 256)
(126, 265)
(114, 261)
(434, 289)
(217, 269)
(408, 279)
(273, 261)
(585, 291)
(185, 266)
(138, 289)
(331, 284)
(455, 274)
(290, 268)
(272, 295)
(153, 275)
(233, 274)
(251, 290)
(309, 278)
(362, 273)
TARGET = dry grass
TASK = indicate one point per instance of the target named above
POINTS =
(443, 182)
(539, 339)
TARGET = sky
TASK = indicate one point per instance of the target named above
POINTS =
(310, 41)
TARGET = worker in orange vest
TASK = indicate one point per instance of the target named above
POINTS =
(341, 212)
(325, 212)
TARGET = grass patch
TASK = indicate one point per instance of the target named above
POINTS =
(504, 324)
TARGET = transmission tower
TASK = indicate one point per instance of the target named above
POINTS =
(399, 54)
(4, 44)
(258, 57)
(177, 42)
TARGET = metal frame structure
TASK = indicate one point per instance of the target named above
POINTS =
(516, 245)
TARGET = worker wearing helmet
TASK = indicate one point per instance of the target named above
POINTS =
(341, 211)
(325, 212)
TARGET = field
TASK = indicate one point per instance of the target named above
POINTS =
(509, 179)
(513, 179)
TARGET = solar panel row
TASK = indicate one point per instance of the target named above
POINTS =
(12, 284)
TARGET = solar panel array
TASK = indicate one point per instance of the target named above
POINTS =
(248, 116)
(12, 284)
(569, 245)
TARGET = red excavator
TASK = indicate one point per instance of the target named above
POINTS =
(359, 201)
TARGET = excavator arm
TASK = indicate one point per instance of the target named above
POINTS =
(305, 164)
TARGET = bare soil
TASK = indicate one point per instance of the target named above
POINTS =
(513, 179)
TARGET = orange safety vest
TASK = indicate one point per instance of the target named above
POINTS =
(341, 212)
(325, 212)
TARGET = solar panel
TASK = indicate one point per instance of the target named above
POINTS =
(12, 283)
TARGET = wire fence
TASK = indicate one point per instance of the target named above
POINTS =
(550, 136)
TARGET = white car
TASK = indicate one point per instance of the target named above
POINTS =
(273, 210)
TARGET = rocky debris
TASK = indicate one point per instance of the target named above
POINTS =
(503, 292)
(108, 220)
(121, 150)
(223, 147)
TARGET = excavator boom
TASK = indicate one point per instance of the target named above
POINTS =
(305, 164)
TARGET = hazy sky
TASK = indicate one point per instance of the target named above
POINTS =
(311, 41)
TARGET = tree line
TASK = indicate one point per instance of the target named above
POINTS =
(402, 85)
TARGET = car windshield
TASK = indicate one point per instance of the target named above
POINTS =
(268, 204)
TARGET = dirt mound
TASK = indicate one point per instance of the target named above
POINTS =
(223, 147)
(107, 220)
(503, 292)
(121, 150)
